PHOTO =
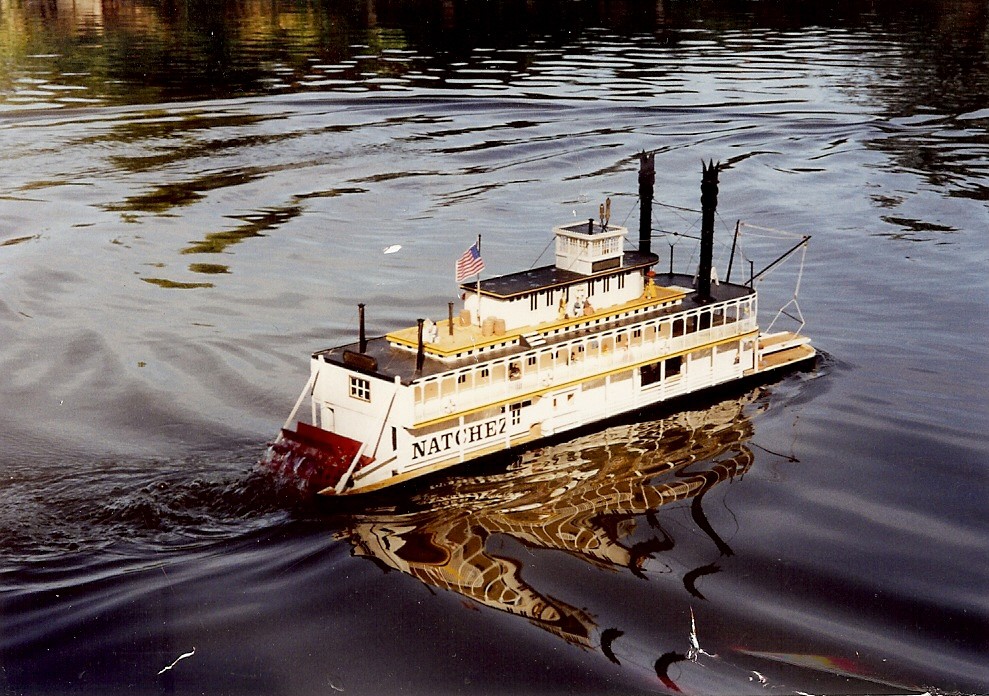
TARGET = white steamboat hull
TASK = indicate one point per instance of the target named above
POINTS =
(528, 413)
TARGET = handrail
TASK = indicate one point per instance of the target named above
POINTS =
(439, 407)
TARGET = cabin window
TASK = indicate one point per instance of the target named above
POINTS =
(606, 284)
(621, 282)
(651, 374)
(531, 360)
(360, 388)
(673, 366)
(515, 411)
(533, 302)
(485, 372)
(462, 378)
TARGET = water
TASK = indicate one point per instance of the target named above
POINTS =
(194, 197)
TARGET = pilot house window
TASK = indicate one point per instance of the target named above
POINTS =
(360, 388)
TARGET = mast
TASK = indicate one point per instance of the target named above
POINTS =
(479, 284)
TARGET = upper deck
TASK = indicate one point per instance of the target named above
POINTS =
(468, 346)
(524, 283)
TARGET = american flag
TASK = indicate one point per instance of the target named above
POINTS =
(469, 264)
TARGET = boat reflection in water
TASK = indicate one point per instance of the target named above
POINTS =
(586, 497)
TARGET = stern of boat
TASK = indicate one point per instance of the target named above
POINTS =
(784, 349)
(324, 462)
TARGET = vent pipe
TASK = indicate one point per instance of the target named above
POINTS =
(647, 180)
(709, 203)
(421, 351)
(362, 337)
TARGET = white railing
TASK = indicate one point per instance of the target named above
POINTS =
(574, 360)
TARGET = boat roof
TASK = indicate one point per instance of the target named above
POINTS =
(549, 277)
(394, 362)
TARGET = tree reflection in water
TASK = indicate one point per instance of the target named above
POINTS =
(586, 497)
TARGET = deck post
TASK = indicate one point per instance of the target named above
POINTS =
(310, 387)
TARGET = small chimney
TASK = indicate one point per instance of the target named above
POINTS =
(709, 203)
(647, 180)
(360, 321)
(421, 352)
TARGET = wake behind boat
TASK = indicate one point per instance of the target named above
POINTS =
(533, 354)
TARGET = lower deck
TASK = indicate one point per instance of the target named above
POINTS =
(528, 418)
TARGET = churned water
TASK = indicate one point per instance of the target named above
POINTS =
(194, 197)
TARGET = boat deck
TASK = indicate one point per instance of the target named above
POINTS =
(449, 343)
(394, 362)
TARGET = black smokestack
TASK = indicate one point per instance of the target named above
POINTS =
(421, 352)
(647, 179)
(360, 322)
(709, 203)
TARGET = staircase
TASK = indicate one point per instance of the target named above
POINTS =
(534, 339)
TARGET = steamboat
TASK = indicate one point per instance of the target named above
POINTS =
(533, 354)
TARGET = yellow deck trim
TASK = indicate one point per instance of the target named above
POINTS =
(471, 338)
(597, 375)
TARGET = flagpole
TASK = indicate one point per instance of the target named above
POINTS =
(478, 284)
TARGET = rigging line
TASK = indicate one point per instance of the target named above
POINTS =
(785, 233)
(675, 207)
(799, 315)
(800, 274)
(799, 318)
(631, 210)
(671, 233)
(551, 239)
(802, 242)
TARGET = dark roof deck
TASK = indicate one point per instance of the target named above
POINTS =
(547, 277)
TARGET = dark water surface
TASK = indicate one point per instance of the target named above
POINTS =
(194, 196)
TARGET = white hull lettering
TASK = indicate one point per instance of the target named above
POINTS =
(468, 435)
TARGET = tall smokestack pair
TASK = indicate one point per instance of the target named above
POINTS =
(709, 203)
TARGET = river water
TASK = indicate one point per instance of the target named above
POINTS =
(193, 198)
